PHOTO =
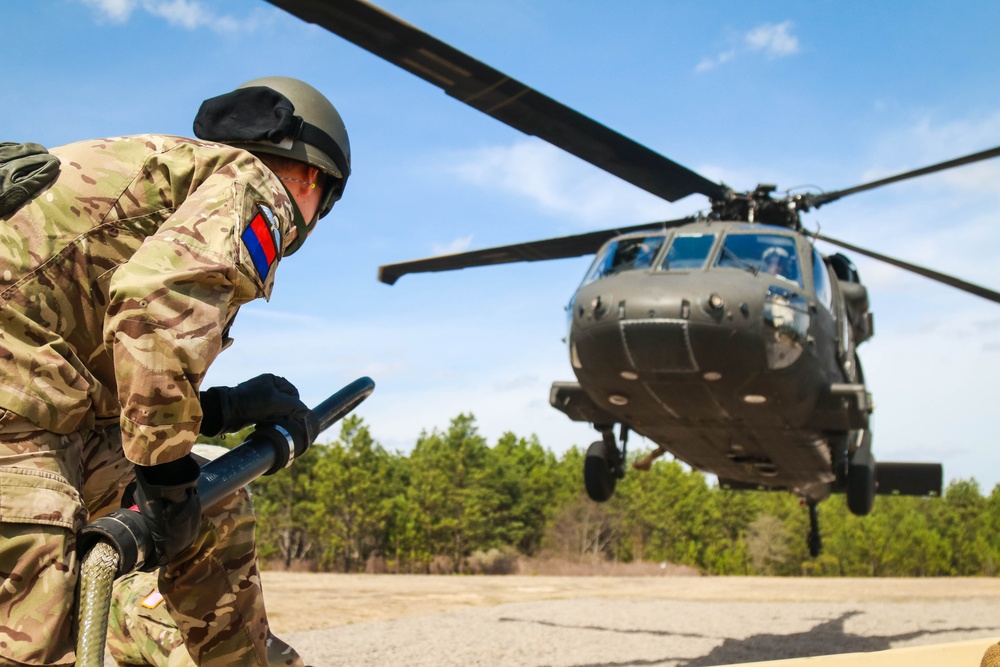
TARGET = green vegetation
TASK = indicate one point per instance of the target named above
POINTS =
(457, 504)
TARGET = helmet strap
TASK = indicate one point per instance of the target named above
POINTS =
(301, 229)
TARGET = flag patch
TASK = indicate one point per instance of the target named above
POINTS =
(261, 239)
(152, 600)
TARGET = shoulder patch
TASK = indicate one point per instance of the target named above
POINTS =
(262, 239)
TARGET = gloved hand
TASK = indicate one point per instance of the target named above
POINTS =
(263, 398)
(167, 497)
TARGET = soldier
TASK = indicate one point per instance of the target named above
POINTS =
(119, 281)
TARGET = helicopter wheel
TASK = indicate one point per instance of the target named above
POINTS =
(598, 475)
(861, 478)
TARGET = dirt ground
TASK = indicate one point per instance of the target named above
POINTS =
(310, 601)
(550, 621)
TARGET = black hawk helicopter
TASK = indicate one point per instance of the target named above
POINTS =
(727, 338)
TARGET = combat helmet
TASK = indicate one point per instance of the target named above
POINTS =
(282, 116)
(775, 254)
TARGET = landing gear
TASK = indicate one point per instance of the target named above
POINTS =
(814, 540)
(598, 471)
(861, 478)
(604, 465)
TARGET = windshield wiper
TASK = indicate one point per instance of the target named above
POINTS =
(739, 261)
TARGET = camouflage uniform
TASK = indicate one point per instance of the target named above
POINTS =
(118, 284)
(140, 629)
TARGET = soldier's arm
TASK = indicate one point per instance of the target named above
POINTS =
(170, 305)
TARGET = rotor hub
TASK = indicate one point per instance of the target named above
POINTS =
(759, 207)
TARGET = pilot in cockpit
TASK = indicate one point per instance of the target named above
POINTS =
(777, 262)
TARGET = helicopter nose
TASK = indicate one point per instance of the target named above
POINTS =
(630, 348)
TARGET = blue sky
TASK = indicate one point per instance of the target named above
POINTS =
(830, 94)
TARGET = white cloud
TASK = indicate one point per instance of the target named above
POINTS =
(458, 245)
(187, 14)
(775, 40)
(712, 63)
(116, 11)
(557, 183)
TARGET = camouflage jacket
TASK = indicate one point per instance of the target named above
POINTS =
(118, 284)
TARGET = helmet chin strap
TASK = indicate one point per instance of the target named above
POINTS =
(301, 229)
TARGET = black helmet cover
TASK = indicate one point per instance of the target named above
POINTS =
(261, 114)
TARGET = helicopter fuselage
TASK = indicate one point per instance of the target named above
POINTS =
(736, 368)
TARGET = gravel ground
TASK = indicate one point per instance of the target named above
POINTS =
(595, 632)
(650, 621)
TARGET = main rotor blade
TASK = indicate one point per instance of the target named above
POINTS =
(533, 251)
(818, 200)
(951, 281)
(495, 94)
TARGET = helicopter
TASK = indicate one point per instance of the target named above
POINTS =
(725, 338)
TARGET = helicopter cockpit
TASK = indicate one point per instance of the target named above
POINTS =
(688, 251)
(773, 254)
(625, 254)
(685, 252)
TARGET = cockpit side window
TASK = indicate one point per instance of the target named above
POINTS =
(821, 281)
(625, 254)
(772, 254)
(688, 251)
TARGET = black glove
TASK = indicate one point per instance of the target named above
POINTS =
(167, 497)
(261, 399)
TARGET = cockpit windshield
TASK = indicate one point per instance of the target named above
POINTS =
(625, 254)
(688, 251)
(772, 254)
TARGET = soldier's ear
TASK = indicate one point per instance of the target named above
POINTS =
(316, 176)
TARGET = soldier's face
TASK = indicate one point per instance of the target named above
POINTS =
(308, 198)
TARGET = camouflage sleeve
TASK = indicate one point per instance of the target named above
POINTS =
(171, 303)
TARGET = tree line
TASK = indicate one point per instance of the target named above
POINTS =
(457, 504)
